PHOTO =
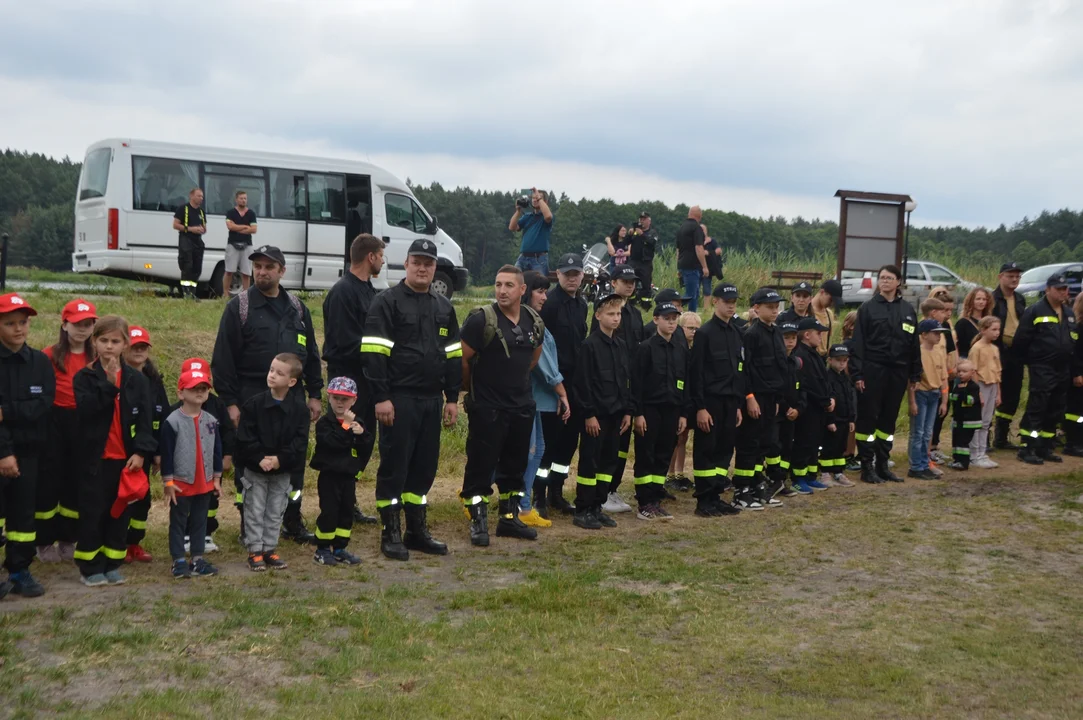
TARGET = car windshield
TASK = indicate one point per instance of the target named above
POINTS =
(1038, 274)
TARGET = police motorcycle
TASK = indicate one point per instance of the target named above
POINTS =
(597, 282)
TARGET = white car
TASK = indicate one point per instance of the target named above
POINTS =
(858, 286)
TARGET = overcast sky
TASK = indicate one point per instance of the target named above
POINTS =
(765, 107)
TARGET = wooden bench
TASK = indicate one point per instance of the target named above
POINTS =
(795, 277)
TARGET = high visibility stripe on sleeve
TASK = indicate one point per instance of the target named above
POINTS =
(454, 350)
(373, 344)
(1046, 319)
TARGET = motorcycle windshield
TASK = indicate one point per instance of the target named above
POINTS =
(596, 257)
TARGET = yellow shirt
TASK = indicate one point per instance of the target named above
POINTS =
(986, 359)
(934, 368)
(1011, 323)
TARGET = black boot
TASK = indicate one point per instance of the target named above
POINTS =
(417, 535)
(241, 537)
(868, 475)
(1045, 452)
(1001, 439)
(1027, 455)
(479, 524)
(391, 534)
(541, 501)
(293, 525)
(360, 518)
(556, 499)
(510, 525)
(884, 472)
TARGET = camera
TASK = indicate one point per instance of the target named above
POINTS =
(522, 202)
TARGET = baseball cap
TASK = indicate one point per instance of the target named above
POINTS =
(666, 309)
(790, 326)
(569, 262)
(193, 378)
(342, 386)
(12, 302)
(725, 292)
(606, 298)
(839, 350)
(138, 336)
(1056, 280)
(801, 287)
(78, 310)
(930, 325)
(625, 273)
(644, 214)
(423, 248)
(810, 323)
(270, 252)
(765, 295)
(833, 288)
(196, 364)
(667, 295)
(1010, 267)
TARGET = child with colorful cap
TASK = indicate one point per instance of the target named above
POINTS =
(191, 452)
(27, 387)
(58, 484)
(138, 357)
(339, 438)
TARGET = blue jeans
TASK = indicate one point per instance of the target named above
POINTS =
(533, 462)
(539, 263)
(921, 428)
(691, 280)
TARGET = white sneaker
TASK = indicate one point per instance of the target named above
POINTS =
(614, 504)
(209, 546)
(827, 479)
(984, 463)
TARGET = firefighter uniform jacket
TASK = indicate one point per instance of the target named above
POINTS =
(886, 334)
(338, 450)
(411, 345)
(565, 318)
(966, 405)
(765, 355)
(601, 379)
(27, 390)
(630, 331)
(159, 399)
(95, 400)
(841, 387)
(1045, 341)
(793, 396)
(659, 373)
(345, 310)
(716, 368)
(814, 380)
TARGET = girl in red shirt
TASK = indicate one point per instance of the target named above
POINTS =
(57, 512)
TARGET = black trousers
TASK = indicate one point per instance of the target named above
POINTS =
(19, 500)
(961, 435)
(190, 259)
(1011, 385)
(335, 522)
(497, 448)
(622, 459)
(938, 425)
(138, 512)
(878, 410)
(757, 441)
(1073, 416)
(409, 451)
(561, 441)
(57, 512)
(597, 462)
(833, 448)
(713, 450)
(100, 547)
(785, 429)
(1046, 403)
(363, 408)
(808, 433)
(654, 449)
(645, 273)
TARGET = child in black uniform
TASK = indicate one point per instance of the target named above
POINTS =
(965, 414)
(810, 426)
(840, 422)
(602, 398)
(339, 441)
(138, 357)
(791, 407)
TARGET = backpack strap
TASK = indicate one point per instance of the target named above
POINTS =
(492, 329)
(294, 301)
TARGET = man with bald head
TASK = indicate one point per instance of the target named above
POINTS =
(691, 256)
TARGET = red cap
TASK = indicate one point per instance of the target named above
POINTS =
(133, 487)
(138, 336)
(12, 302)
(78, 310)
(196, 363)
(193, 378)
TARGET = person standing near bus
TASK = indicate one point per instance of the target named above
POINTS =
(241, 223)
(191, 222)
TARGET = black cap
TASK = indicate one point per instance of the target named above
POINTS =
(644, 214)
(625, 273)
(606, 298)
(270, 252)
(801, 287)
(1010, 267)
(725, 291)
(665, 309)
(667, 295)
(833, 288)
(1057, 280)
(929, 325)
(423, 248)
(569, 262)
(810, 323)
(790, 326)
(765, 295)
(839, 350)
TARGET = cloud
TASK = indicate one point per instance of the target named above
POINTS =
(763, 107)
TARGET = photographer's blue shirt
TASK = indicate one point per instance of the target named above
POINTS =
(535, 233)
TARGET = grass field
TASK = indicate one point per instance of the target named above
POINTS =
(957, 598)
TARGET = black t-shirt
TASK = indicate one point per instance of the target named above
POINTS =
(191, 217)
(499, 382)
(689, 237)
(239, 239)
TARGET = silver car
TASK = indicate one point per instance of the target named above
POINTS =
(859, 286)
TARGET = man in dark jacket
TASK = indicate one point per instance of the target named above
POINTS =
(644, 244)
(1008, 305)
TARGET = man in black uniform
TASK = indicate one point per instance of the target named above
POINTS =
(412, 355)
(565, 316)
(1008, 305)
(191, 223)
(344, 312)
(256, 326)
(644, 243)
(1046, 340)
(501, 343)
(888, 353)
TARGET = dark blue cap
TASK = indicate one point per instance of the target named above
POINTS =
(930, 325)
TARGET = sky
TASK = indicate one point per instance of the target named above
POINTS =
(764, 107)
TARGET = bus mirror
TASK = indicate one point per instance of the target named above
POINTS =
(431, 228)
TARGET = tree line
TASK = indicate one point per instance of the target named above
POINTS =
(37, 210)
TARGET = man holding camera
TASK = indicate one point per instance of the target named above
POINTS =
(536, 225)
(644, 243)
